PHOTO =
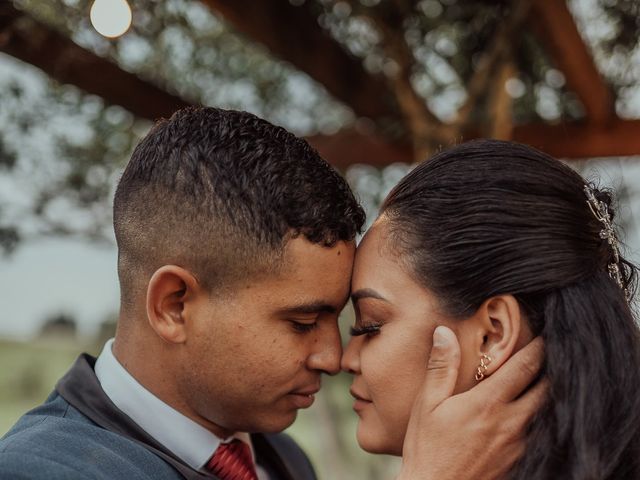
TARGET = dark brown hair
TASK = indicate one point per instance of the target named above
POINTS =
(220, 192)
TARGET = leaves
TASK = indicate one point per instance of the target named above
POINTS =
(61, 149)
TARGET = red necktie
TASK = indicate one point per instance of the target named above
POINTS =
(233, 461)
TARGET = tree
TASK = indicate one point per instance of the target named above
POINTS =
(61, 184)
(449, 66)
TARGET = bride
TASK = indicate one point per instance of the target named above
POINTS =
(501, 243)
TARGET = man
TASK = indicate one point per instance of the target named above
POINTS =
(235, 248)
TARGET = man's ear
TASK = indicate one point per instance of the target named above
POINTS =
(169, 288)
(500, 322)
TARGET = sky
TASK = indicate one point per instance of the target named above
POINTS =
(53, 277)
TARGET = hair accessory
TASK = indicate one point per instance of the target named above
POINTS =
(485, 360)
(601, 212)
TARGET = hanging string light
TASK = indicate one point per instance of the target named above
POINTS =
(110, 18)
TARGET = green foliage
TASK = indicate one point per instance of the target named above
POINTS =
(61, 150)
(448, 38)
(9, 239)
(183, 47)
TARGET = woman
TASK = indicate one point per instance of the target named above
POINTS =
(501, 243)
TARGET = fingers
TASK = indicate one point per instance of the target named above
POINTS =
(516, 416)
(532, 401)
(442, 369)
(504, 460)
(509, 381)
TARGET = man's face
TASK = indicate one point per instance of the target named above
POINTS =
(254, 357)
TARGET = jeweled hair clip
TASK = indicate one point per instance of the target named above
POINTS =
(601, 212)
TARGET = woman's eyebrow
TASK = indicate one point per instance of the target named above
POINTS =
(366, 293)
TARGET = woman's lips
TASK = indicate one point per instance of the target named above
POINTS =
(360, 402)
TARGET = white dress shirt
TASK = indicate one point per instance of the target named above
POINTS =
(188, 440)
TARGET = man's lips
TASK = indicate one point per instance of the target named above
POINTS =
(310, 390)
(304, 397)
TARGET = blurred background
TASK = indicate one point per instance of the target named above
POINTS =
(375, 85)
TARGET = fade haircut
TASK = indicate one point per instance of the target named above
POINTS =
(220, 192)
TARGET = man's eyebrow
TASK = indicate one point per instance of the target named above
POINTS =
(366, 293)
(311, 307)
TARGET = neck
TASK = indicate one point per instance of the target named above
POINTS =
(133, 350)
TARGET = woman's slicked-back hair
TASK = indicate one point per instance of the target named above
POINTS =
(489, 217)
(221, 192)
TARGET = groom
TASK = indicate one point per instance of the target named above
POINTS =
(235, 248)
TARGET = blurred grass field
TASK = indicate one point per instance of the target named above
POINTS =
(29, 372)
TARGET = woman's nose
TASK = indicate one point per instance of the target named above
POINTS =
(351, 357)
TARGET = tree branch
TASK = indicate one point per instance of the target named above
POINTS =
(500, 104)
(500, 49)
(31, 41)
(426, 130)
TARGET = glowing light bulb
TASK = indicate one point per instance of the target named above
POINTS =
(111, 18)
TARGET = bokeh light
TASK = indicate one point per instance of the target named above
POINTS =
(111, 18)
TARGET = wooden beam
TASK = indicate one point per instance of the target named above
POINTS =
(618, 138)
(348, 147)
(293, 34)
(31, 41)
(567, 141)
(556, 29)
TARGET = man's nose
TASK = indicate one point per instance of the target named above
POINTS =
(327, 351)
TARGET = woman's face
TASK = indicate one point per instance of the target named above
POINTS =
(396, 318)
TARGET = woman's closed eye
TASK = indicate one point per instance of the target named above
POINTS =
(370, 329)
(369, 320)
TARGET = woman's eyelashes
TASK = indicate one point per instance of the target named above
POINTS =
(369, 321)
(370, 330)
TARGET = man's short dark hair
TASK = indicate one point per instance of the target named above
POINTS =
(220, 192)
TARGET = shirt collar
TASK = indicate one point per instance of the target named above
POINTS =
(188, 440)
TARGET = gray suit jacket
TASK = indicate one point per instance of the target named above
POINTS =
(78, 433)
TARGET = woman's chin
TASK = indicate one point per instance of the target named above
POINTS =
(378, 444)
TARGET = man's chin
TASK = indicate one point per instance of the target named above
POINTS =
(280, 424)
(273, 424)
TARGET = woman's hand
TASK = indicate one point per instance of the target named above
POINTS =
(478, 434)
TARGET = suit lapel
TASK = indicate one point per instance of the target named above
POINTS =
(278, 454)
(270, 459)
(80, 387)
(282, 457)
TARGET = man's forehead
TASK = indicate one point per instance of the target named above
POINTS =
(310, 296)
(300, 254)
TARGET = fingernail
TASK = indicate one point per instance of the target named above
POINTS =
(440, 338)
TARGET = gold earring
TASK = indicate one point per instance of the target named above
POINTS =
(485, 360)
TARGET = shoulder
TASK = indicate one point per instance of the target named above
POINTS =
(35, 447)
(21, 466)
(292, 455)
(55, 441)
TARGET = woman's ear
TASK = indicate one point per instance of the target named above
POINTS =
(168, 290)
(502, 320)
